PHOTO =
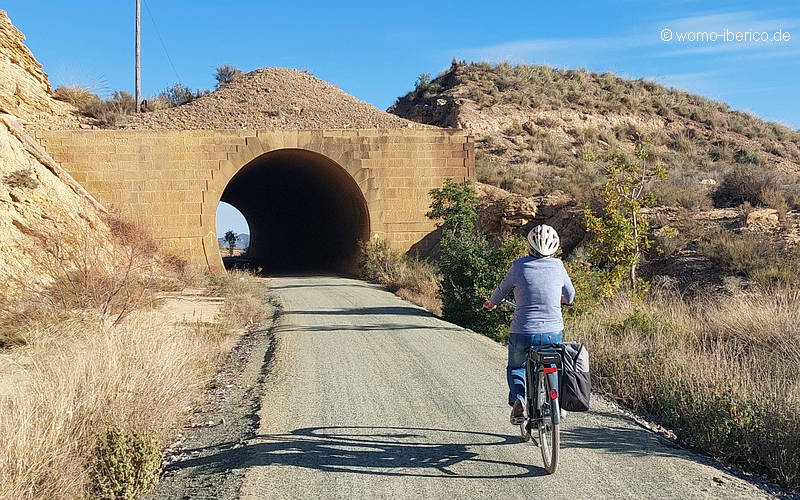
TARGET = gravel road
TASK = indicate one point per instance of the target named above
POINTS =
(368, 396)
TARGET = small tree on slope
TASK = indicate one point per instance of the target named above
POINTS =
(620, 229)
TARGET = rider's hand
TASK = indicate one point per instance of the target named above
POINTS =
(489, 305)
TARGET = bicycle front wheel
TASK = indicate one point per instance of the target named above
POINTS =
(549, 430)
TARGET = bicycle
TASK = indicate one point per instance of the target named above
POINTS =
(542, 410)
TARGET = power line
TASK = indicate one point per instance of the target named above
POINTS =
(163, 45)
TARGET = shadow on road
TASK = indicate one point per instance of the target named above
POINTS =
(384, 451)
(368, 311)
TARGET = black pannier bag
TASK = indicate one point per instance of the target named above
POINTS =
(576, 384)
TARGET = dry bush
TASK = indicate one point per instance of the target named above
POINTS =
(410, 278)
(751, 255)
(747, 183)
(78, 377)
(23, 178)
(112, 277)
(79, 97)
(723, 373)
(109, 112)
(226, 73)
(679, 190)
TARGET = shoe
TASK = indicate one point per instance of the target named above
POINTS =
(563, 414)
(517, 413)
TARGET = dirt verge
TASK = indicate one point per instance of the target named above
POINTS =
(225, 421)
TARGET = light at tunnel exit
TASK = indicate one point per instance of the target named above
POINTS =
(230, 219)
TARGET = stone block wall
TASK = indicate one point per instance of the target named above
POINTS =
(171, 182)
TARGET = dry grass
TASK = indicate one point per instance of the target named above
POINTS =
(78, 375)
(723, 372)
(80, 271)
(412, 279)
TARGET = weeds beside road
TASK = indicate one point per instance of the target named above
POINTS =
(75, 377)
(723, 372)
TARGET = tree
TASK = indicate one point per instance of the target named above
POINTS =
(620, 229)
(230, 239)
(226, 73)
(471, 265)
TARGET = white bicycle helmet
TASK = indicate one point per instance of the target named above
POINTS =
(543, 240)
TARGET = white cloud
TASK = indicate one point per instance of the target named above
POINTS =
(593, 49)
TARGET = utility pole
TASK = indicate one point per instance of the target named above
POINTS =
(138, 56)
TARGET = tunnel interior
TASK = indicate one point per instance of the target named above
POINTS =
(305, 212)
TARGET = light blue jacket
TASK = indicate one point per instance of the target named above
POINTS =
(538, 284)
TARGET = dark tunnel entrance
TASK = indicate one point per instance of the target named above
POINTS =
(305, 212)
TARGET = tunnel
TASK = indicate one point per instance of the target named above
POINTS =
(305, 212)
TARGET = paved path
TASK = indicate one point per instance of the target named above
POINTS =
(371, 397)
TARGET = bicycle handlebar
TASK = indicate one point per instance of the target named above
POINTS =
(514, 305)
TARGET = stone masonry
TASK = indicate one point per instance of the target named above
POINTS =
(171, 182)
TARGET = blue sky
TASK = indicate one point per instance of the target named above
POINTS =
(375, 50)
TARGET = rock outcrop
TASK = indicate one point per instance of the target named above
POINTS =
(38, 199)
(25, 91)
(24, 88)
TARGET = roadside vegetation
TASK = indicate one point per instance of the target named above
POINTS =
(721, 368)
(709, 345)
(95, 378)
(412, 279)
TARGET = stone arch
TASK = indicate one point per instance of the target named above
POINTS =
(306, 212)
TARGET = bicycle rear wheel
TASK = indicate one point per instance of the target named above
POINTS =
(549, 431)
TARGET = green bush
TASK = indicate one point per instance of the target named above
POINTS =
(619, 229)
(126, 464)
(470, 264)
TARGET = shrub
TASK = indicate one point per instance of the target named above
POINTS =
(620, 231)
(78, 377)
(125, 464)
(179, 94)
(79, 97)
(471, 265)
(747, 156)
(755, 256)
(226, 73)
(682, 191)
(109, 111)
(746, 183)
(22, 178)
(113, 279)
(410, 278)
(723, 374)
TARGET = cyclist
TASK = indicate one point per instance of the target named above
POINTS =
(541, 285)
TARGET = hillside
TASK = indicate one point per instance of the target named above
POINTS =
(242, 241)
(543, 133)
(537, 127)
(270, 98)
